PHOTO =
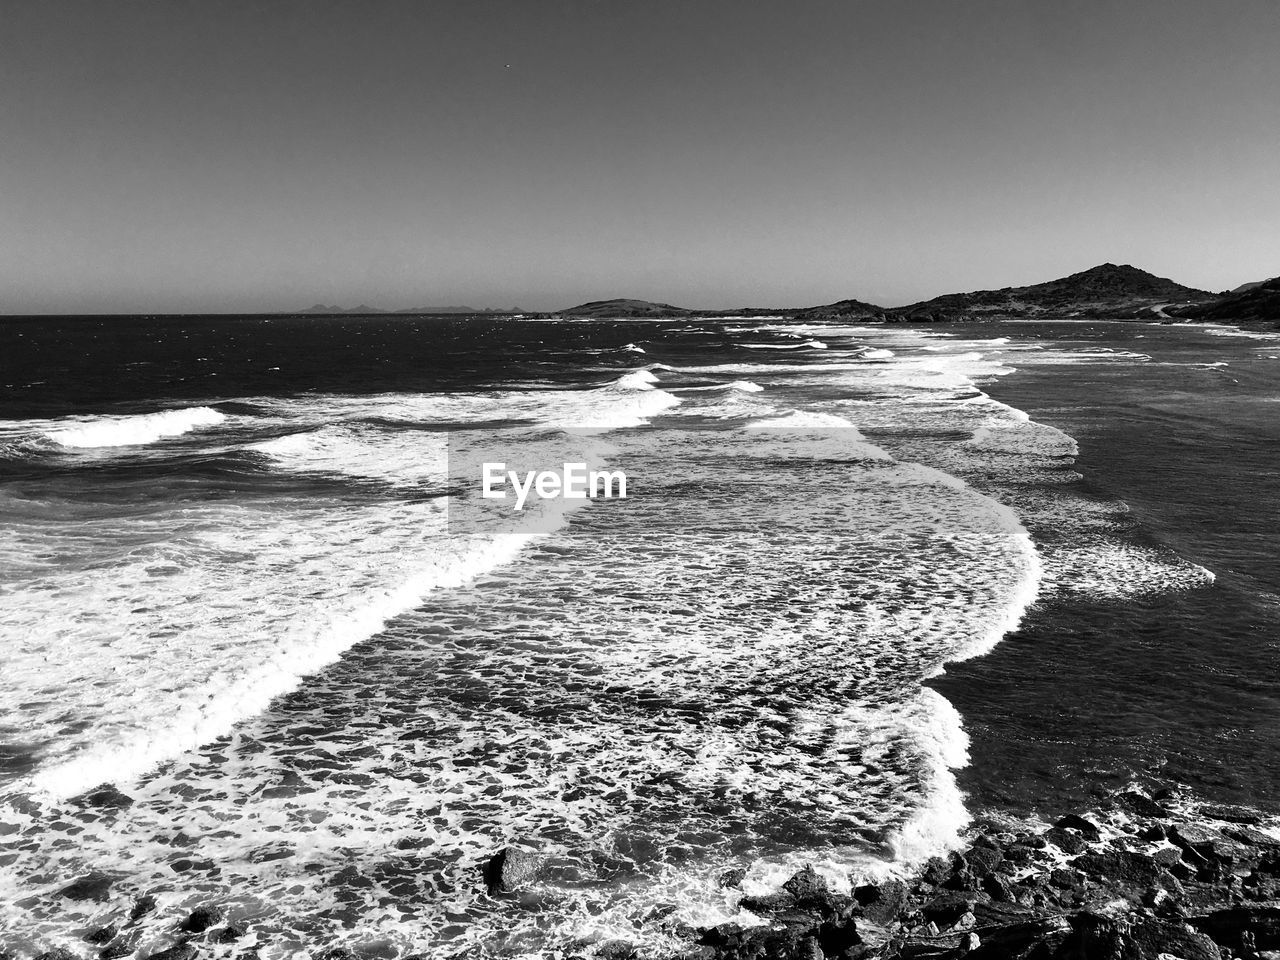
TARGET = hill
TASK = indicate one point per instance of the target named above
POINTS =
(609, 309)
(1107, 290)
(1258, 303)
(842, 310)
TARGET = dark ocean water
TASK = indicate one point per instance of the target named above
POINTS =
(868, 581)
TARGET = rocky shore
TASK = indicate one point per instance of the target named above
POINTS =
(1143, 876)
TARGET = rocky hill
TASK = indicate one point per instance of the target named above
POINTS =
(609, 309)
(1107, 290)
(842, 310)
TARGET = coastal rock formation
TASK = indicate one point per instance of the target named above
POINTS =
(1142, 877)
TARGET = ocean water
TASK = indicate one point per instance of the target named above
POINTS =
(866, 582)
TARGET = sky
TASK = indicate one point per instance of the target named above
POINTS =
(219, 156)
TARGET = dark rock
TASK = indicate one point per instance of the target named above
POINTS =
(1136, 938)
(1021, 854)
(229, 934)
(181, 951)
(512, 868)
(1086, 828)
(1252, 837)
(1002, 914)
(806, 886)
(881, 902)
(935, 871)
(1141, 804)
(616, 950)
(94, 886)
(984, 858)
(1119, 867)
(104, 797)
(58, 953)
(1230, 813)
(1153, 833)
(1066, 840)
(997, 888)
(202, 918)
(768, 903)
(946, 909)
(733, 878)
(102, 934)
(1033, 938)
(120, 947)
(1248, 926)
(1210, 844)
(141, 907)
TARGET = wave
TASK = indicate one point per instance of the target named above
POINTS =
(136, 429)
(806, 345)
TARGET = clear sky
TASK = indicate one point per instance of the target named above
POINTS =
(197, 155)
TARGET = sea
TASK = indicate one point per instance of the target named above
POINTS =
(866, 583)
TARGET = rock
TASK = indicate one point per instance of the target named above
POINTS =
(1137, 802)
(94, 886)
(1230, 813)
(1086, 828)
(141, 907)
(807, 886)
(1210, 844)
(881, 902)
(1119, 867)
(58, 953)
(102, 935)
(733, 878)
(946, 909)
(512, 868)
(1067, 841)
(768, 903)
(615, 950)
(118, 948)
(202, 918)
(181, 951)
(984, 858)
(997, 888)
(1252, 837)
(104, 797)
(1136, 938)
(229, 934)
(1036, 937)
(1251, 926)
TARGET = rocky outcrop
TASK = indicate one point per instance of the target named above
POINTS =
(512, 868)
(1142, 877)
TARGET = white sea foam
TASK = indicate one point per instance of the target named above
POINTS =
(130, 430)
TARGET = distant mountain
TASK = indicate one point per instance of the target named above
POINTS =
(1108, 290)
(842, 310)
(1245, 287)
(1257, 303)
(333, 311)
(609, 309)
